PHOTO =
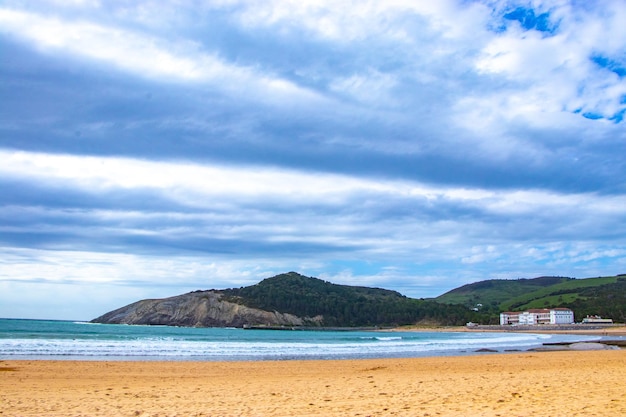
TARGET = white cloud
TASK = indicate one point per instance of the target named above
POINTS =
(102, 172)
(193, 183)
(550, 74)
(119, 47)
(96, 268)
(279, 206)
(347, 21)
(147, 56)
(419, 92)
(481, 255)
(85, 285)
(372, 88)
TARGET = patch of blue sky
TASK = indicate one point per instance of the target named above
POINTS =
(618, 117)
(610, 64)
(529, 20)
(592, 115)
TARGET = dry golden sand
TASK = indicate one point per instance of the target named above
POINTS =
(516, 384)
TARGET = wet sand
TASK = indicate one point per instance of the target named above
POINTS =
(514, 384)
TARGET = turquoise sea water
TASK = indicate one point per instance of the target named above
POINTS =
(41, 339)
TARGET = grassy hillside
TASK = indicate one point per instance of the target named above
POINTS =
(567, 291)
(495, 291)
(605, 296)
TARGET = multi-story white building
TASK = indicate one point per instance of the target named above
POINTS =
(538, 316)
(561, 316)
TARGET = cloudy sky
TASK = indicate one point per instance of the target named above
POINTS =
(151, 148)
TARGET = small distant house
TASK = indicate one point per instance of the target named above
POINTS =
(596, 320)
(537, 316)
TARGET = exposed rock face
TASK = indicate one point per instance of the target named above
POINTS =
(198, 309)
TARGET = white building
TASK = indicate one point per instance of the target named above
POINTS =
(561, 316)
(596, 320)
(537, 316)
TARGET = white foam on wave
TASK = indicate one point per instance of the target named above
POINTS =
(388, 338)
(169, 347)
(213, 344)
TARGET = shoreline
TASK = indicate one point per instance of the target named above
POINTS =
(556, 338)
(522, 383)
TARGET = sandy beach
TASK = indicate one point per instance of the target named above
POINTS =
(515, 384)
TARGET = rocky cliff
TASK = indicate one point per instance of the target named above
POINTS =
(199, 309)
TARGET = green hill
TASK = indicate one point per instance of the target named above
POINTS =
(343, 305)
(605, 296)
(497, 291)
(292, 299)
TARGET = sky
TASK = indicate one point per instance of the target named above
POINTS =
(152, 148)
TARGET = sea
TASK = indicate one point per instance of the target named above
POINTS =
(75, 340)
